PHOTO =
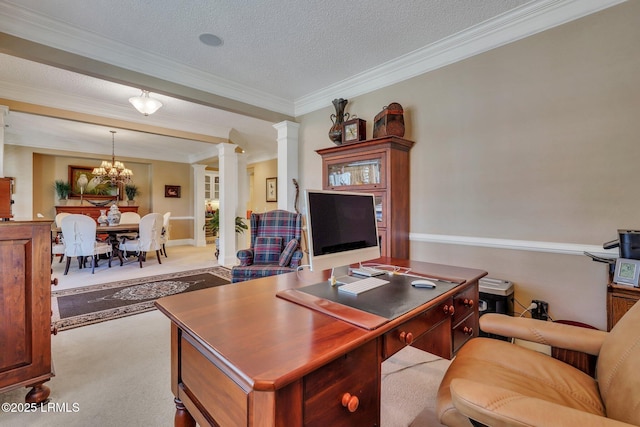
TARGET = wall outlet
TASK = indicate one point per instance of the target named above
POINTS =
(541, 311)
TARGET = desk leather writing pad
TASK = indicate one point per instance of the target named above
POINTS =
(376, 306)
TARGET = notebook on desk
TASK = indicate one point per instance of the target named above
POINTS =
(371, 309)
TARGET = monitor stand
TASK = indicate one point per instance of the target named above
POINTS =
(340, 276)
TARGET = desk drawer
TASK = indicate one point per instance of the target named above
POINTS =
(464, 331)
(217, 393)
(464, 303)
(413, 329)
(356, 373)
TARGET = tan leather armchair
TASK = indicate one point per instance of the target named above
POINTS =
(501, 384)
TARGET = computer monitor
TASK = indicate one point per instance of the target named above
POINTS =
(341, 228)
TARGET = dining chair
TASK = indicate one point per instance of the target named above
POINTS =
(80, 240)
(57, 242)
(149, 238)
(128, 218)
(165, 232)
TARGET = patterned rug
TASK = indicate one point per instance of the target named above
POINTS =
(73, 308)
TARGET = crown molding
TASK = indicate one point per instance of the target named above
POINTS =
(504, 29)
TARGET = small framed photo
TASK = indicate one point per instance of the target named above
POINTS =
(272, 189)
(627, 272)
(172, 191)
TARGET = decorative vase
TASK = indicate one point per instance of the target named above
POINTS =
(102, 219)
(335, 133)
(114, 215)
(131, 202)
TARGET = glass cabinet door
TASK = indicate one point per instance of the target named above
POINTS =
(356, 173)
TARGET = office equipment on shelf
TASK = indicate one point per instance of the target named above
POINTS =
(362, 285)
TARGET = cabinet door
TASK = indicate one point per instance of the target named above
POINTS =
(357, 173)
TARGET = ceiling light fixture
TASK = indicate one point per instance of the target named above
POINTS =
(112, 171)
(145, 104)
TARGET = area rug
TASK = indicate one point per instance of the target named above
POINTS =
(77, 307)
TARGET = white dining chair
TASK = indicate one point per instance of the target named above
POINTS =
(149, 238)
(128, 218)
(80, 240)
(57, 241)
(165, 232)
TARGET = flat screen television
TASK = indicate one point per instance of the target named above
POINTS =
(341, 228)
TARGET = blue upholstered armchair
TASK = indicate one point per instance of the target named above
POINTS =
(275, 246)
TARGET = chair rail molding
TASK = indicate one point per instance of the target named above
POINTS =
(511, 244)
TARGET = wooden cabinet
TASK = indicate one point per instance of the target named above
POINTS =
(379, 166)
(92, 211)
(6, 190)
(25, 307)
(619, 300)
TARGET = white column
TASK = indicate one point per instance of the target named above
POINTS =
(4, 111)
(287, 163)
(243, 198)
(198, 205)
(228, 161)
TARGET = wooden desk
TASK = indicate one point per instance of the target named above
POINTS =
(240, 356)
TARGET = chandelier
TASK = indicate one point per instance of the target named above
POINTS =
(145, 104)
(112, 171)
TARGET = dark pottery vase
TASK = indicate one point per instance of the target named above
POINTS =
(335, 133)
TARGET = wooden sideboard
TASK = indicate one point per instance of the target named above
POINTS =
(92, 211)
(296, 366)
(619, 300)
(379, 166)
(25, 307)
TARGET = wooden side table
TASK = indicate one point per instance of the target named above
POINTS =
(619, 301)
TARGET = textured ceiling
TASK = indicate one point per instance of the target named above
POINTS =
(279, 56)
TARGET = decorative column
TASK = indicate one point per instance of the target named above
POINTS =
(4, 111)
(287, 163)
(198, 205)
(228, 162)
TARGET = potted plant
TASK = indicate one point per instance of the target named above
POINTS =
(131, 191)
(63, 189)
(212, 226)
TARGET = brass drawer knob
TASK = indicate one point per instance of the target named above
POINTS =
(468, 302)
(54, 330)
(449, 309)
(54, 281)
(406, 337)
(350, 402)
(467, 330)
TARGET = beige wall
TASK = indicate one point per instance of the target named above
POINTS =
(259, 172)
(538, 140)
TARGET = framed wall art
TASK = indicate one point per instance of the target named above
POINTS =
(272, 189)
(84, 183)
(172, 191)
